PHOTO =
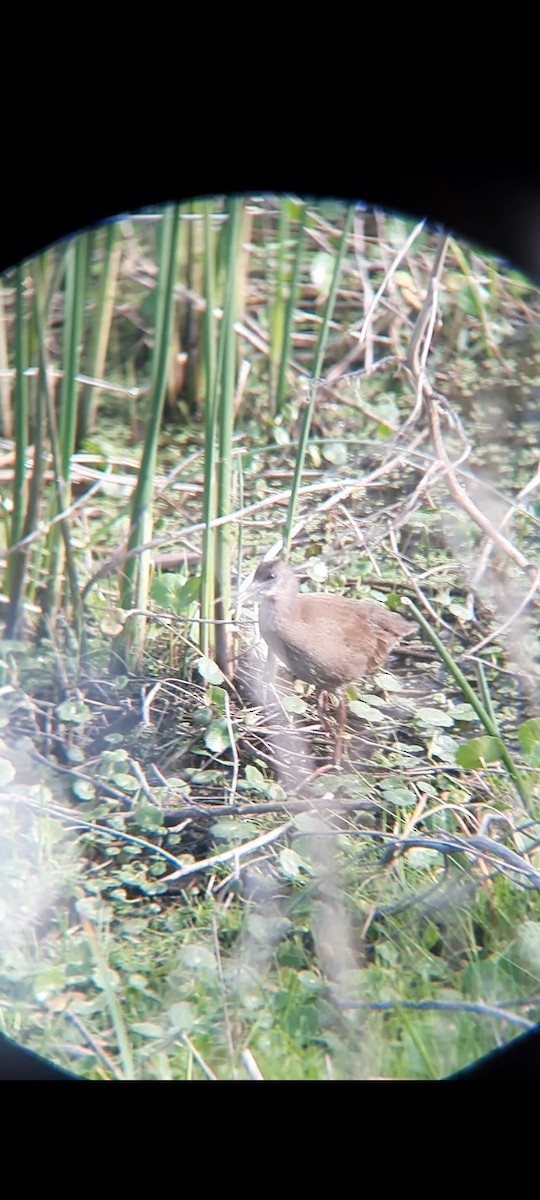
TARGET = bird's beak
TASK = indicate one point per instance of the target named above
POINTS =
(249, 590)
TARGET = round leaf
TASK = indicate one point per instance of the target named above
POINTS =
(529, 734)
(479, 751)
(366, 712)
(434, 717)
(291, 864)
(216, 737)
(256, 779)
(83, 789)
(388, 683)
(209, 670)
(401, 796)
(182, 1016)
(73, 711)
(198, 958)
(126, 782)
(294, 704)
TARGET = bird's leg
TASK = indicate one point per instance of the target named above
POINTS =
(338, 748)
(269, 677)
(323, 704)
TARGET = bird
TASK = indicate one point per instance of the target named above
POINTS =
(323, 639)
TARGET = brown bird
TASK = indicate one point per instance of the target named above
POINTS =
(323, 639)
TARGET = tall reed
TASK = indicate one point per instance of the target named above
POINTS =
(317, 368)
(135, 580)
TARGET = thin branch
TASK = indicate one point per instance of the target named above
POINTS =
(479, 1009)
(229, 855)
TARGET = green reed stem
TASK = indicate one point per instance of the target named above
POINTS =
(486, 694)
(227, 355)
(21, 412)
(277, 298)
(101, 328)
(135, 581)
(290, 310)
(17, 561)
(75, 261)
(317, 366)
(46, 405)
(208, 567)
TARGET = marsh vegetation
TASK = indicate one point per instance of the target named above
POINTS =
(189, 886)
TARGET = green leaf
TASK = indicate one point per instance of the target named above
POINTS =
(309, 980)
(256, 779)
(310, 823)
(174, 592)
(460, 611)
(127, 783)
(276, 793)
(198, 958)
(202, 717)
(217, 737)
(75, 755)
(393, 602)
(83, 789)
(434, 717)
(74, 712)
(209, 670)
(166, 587)
(217, 698)
(189, 592)
(147, 1029)
(335, 453)
(353, 692)
(281, 435)
(462, 712)
(294, 704)
(111, 760)
(529, 734)
(148, 816)
(401, 796)
(291, 864)
(388, 683)
(268, 929)
(229, 828)
(479, 751)
(366, 712)
(443, 747)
